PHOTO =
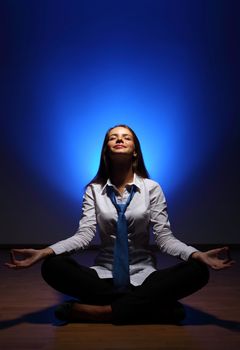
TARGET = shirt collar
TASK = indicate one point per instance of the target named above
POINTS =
(136, 181)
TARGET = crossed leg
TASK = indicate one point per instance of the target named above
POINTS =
(152, 301)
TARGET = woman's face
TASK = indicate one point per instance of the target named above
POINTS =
(121, 142)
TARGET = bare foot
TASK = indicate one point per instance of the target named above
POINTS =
(99, 313)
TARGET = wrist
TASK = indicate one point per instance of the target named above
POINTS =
(196, 255)
(47, 252)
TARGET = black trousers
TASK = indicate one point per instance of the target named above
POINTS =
(149, 302)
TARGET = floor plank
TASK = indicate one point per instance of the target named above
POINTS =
(27, 317)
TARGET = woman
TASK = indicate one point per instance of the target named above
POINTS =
(124, 285)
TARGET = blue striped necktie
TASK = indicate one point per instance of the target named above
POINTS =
(121, 277)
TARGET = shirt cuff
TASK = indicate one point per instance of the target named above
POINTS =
(57, 248)
(188, 252)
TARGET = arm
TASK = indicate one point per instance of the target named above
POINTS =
(161, 227)
(86, 230)
(169, 244)
(85, 233)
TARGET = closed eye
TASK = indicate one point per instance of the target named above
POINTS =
(125, 136)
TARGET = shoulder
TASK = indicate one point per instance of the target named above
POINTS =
(155, 191)
(93, 189)
(150, 184)
(94, 186)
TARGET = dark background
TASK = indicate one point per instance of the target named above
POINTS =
(71, 69)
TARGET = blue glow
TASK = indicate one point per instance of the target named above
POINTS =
(102, 74)
(67, 132)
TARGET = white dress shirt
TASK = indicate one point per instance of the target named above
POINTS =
(147, 210)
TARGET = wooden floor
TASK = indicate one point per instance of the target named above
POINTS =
(27, 319)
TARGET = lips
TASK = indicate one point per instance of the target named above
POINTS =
(119, 146)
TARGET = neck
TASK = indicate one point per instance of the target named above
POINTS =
(121, 173)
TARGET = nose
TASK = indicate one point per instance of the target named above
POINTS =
(119, 139)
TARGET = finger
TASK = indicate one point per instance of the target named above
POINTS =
(12, 256)
(223, 265)
(9, 265)
(229, 262)
(225, 249)
(13, 266)
(220, 250)
(226, 266)
(20, 251)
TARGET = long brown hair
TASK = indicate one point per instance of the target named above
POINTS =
(138, 165)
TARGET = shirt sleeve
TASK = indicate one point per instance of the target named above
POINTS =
(161, 227)
(86, 230)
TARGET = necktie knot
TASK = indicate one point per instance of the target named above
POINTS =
(121, 209)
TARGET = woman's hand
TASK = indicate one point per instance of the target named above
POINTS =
(29, 257)
(212, 258)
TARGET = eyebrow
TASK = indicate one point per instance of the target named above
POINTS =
(120, 134)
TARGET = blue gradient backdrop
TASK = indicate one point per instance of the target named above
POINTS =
(72, 69)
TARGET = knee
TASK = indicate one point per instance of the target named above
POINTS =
(47, 266)
(201, 271)
(50, 266)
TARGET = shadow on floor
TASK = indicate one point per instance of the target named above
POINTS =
(194, 317)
